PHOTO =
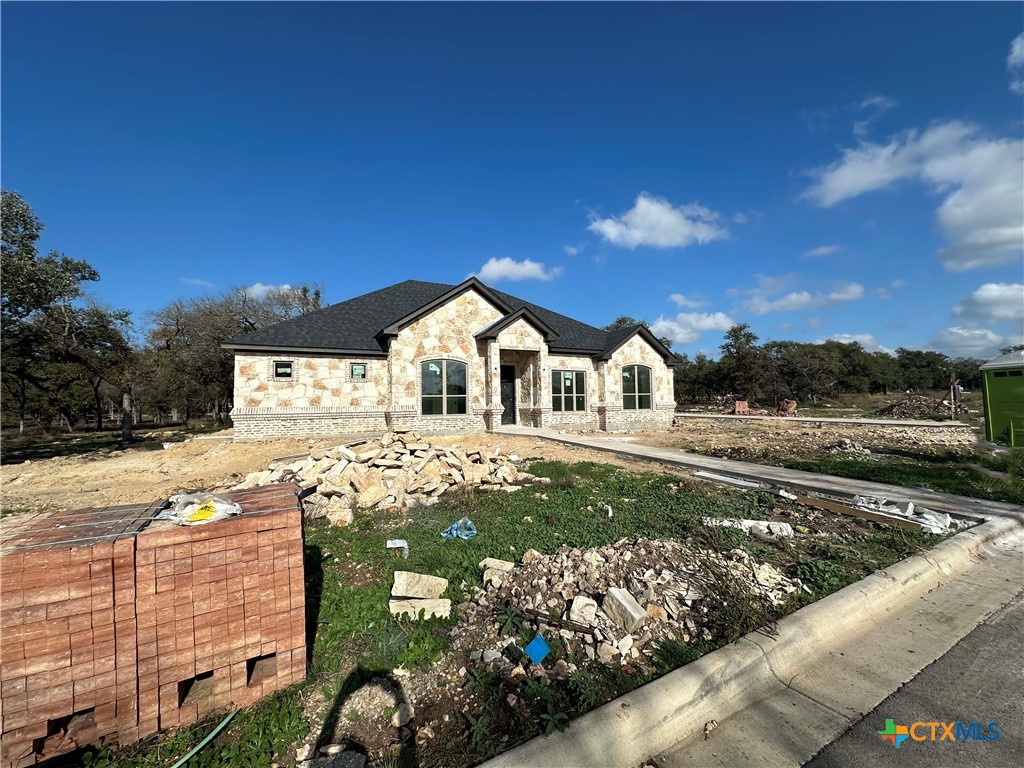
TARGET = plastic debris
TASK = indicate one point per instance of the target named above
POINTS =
(461, 529)
(537, 649)
(199, 509)
(397, 544)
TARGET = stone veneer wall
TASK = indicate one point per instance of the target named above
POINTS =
(444, 334)
(320, 399)
(636, 351)
(587, 419)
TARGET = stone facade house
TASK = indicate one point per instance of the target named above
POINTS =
(443, 358)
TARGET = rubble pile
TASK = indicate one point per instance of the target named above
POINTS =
(612, 604)
(399, 469)
(917, 407)
(846, 445)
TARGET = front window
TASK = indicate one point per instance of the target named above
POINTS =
(357, 371)
(568, 391)
(282, 369)
(444, 387)
(636, 387)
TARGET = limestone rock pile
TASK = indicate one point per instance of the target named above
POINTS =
(629, 596)
(399, 469)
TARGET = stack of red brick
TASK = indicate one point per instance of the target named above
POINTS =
(115, 626)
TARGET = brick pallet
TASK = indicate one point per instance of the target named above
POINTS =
(114, 626)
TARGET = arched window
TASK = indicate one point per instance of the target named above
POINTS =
(443, 387)
(636, 387)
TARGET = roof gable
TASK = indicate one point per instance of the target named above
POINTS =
(524, 314)
(472, 284)
(617, 338)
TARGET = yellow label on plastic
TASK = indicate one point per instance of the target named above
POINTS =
(205, 511)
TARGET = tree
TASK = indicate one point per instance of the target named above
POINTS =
(188, 367)
(1014, 348)
(922, 369)
(38, 303)
(625, 321)
(742, 363)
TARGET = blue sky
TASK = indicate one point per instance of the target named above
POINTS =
(815, 170)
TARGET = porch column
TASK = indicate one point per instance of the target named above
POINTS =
(493, 383)
(543, 388)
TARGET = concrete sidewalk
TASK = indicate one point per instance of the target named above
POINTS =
(828, 420)
(790, 478)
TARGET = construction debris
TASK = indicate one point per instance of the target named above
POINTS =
(917, 407)
(786, 408)
(762, 529)
(740, 408)
(418, 593)
(704, 475)
(846, 445)
(928, 520)
(613, 603)
(398, 470)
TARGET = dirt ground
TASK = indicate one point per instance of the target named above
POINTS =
(105, 478)
(803, 440)
(126, 476)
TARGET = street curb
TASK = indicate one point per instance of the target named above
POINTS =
(630, 729)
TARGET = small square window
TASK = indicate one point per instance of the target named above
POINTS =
(358, 371)
(282, 369)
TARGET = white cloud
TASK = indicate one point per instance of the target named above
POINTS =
(197, 282)
(982, 214)
(572, 250)
(655, 222)
(759, 305)
(687, 303)
(760, 302)
(968, 342)
(848, 292)
(687, 327)
(897, 283)
(993, 303)
(509, 269)
(814, 322)
(821, 250)
(1015, 64)
(740, 218)
(882, 293)
(875, 106)
(866, 340)
(260, 290)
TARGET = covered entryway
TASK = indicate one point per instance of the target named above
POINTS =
(508, 394)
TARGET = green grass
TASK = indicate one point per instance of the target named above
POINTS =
(355, 639)
(950, 473)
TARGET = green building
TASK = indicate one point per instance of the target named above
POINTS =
(1002, 382)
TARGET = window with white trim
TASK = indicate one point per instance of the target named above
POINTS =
(636, 387)
(444, 387)
(568, 391)
(357, 371)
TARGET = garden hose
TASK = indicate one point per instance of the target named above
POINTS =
(205, 741)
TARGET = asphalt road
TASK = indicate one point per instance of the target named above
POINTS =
(980, 679)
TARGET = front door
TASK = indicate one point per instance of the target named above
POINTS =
(508, 394)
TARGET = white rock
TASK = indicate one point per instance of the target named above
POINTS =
(583, 610)
(428, 607)
(408, 584)
(623, 609)
(496, 564)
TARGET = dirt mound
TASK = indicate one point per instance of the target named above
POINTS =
(915, 407)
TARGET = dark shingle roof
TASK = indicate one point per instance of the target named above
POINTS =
(355, 325)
